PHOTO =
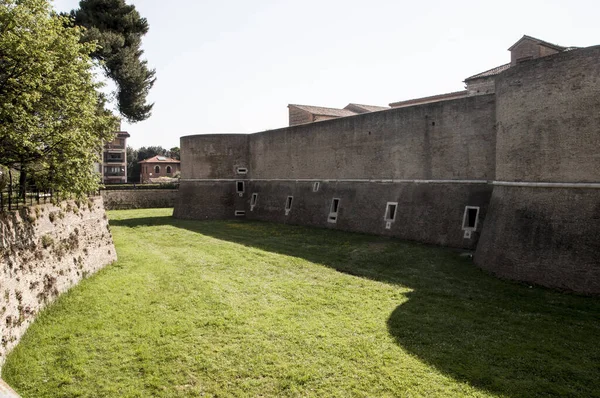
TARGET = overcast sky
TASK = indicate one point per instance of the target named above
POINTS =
(233, 66)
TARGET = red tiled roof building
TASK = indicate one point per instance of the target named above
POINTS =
(158, 166)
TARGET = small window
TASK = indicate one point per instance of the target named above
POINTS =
(239, 187)
(240, 213)
(168, 169)
(470, 218)
(288, 204)
(316, 186)
(253, 201)
(333, 211)
(157, 169)
(390, 211)
(241, 170)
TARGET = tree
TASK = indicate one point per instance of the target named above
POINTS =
(151, 151)
(175, 153)
(52, 119)
(133, 168)
(118, 29)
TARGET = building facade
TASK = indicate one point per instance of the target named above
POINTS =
(512, 173)
(114, 160)
(158, 167)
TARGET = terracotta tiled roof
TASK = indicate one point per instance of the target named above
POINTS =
(542, 42)
(159, 159)
(433, 98)
(365, 108)
(492, 72)
(322, 111)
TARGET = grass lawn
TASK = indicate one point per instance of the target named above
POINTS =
(234, 309)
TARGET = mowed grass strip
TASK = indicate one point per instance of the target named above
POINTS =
(234, 309)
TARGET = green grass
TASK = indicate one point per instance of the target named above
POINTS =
(257, 309)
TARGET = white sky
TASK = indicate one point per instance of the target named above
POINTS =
(233, 66)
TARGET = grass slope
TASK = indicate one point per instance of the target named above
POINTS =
(256, 309)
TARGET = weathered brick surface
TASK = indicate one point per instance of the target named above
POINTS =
(213, 156)
(299, 116)
(548, 131)
(445, 140)
(429, 213)
(44, 250)
(546, 236)
(548, 119)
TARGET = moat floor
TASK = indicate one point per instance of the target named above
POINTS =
(234, 309)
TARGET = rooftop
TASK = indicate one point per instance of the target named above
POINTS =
(322, 111)
(159, 159)
(492, 72)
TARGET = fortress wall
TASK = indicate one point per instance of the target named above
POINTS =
(365, 160)
(207, 187)
(548, 132)
(213, 156)
(429, 213)
(445, 140)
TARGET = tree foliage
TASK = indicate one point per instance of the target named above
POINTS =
(175, 153)
(52, 119)
(118, 29)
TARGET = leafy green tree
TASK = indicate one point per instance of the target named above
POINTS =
(133, 168)
(118, 29)
(52, 119)
(175, 153)
(148, 152)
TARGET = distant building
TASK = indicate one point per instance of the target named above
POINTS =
(114, 160)
(300, 114)
(527, 48)
(158, 166)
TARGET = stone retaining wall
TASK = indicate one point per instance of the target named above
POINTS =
(44, 251)
(139, 198)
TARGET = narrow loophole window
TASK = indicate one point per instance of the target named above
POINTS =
(288, 204)
(390, 211)
(242, 170)
(240, 186)
(333, 211)
(316, 186)
(240, 213)
(470, 218)
(254, 199)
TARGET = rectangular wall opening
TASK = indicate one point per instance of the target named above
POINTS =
(333, 211)
(253, 201)
(240, 213)
(470, 218)
(316, 186)
(239, 187)
(288, 204)
(390, 211)
(241, 170)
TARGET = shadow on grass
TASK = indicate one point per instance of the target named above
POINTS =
(506, 338)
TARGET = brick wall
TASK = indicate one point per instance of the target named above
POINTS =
(548, 132)
(449, 140)
(299, 116)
